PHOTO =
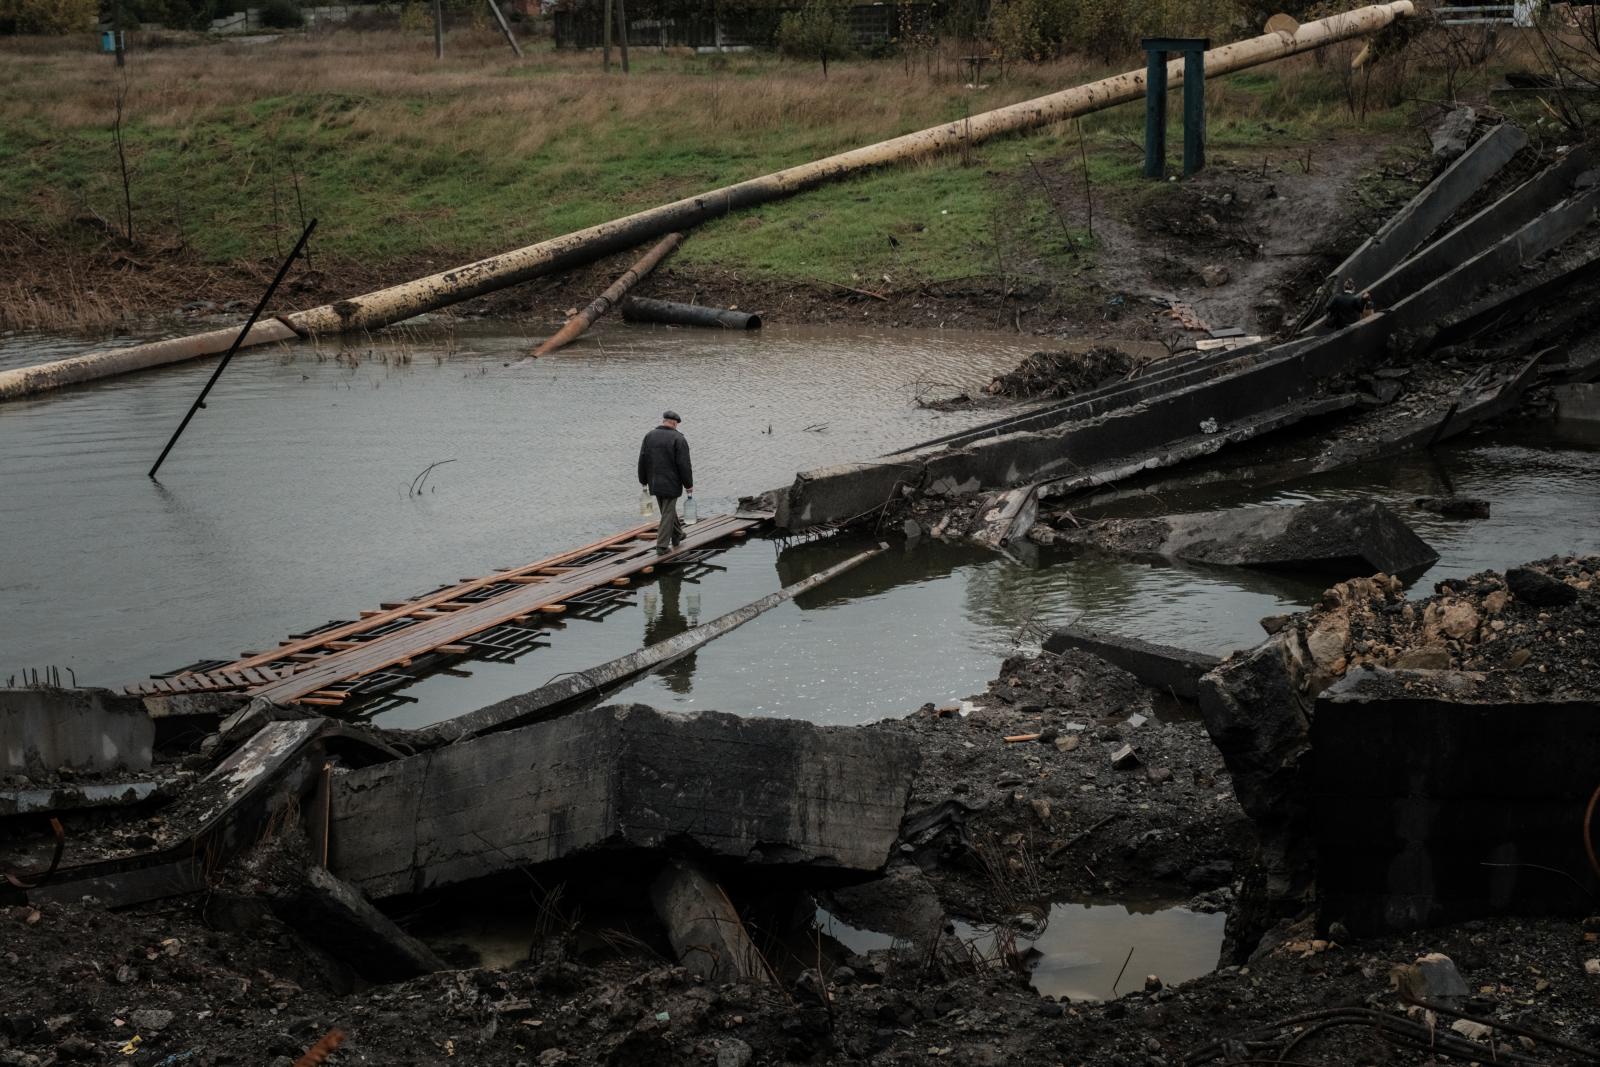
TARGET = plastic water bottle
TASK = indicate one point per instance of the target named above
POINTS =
(691, 514)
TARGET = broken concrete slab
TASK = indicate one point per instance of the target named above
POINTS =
(1578, 403)
(220, 815)
(1493, 223)
(843, 493)
(1344, 538)
(1256, 708)
(705, 930)
(45, 728)
(1175, 670)
(1463, 805)
(764, 791)
(334, 916)
(1426, 211)
(1453, 135)
(79, 797)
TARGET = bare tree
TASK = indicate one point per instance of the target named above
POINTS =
(1569, 49)
(121, 101)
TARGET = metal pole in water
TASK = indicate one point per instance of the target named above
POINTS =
(200, 401)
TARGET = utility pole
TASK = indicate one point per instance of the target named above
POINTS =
(622, 33)
(438, 29)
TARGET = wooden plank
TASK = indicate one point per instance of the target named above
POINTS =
(318, 640)
(430, 634)
(454, 650)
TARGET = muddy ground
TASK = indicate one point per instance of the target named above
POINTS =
(1025, 796)
(1008, 826)
(998, 828)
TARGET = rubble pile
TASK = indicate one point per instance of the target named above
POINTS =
(87, 983)
(1061, 374)
(1095, 791)
(1528, 633)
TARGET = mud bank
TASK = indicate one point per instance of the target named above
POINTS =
(1066, 779)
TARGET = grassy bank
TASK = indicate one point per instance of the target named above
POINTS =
(408, 161)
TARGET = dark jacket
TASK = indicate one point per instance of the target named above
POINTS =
(664, 462)
(1345, 309)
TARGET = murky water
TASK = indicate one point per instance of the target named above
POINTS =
(287, 505)
(286, 502)
(1099, 951)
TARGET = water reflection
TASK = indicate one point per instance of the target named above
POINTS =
(286, 502)
(1099, 951)
(666, 618)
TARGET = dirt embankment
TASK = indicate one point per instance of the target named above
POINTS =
(1236, 245)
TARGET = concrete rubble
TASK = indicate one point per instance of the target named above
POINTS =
(1341, 538)
(1373, 794)
(1439, 290)
(829, 799)
(1448, 704)
(46, 728)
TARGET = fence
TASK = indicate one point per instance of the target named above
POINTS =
(249, 19)
(870, 24)
(1519, 13)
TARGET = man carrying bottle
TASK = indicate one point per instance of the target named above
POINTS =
(664, 469)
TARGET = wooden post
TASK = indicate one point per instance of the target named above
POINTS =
(605, 33)
(1155, 114)
(438, 29)
(505, 28)
(622, 33)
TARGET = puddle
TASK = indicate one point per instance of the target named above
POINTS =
(853, 938)
(1083, 948)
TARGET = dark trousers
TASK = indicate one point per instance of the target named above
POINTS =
(671, 530)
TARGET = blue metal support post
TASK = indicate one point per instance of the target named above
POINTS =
(1156, 50)
(1155, 113)
(1194, 111)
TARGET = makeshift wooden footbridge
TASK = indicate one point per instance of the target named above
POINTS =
(495, 617)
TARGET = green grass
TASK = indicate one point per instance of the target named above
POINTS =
(405, 159)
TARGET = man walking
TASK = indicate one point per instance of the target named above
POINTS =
(664, 468)
(1348, 307)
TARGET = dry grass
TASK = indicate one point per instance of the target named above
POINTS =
(403, 158)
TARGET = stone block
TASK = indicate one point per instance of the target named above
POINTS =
(335, 917)
(1161, 666)
(1428, 809)
(754, 790)
(46, 728)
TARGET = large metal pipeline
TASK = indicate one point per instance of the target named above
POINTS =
(403, 301)
(672, 313)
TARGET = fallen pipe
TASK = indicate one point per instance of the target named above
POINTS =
(574, 327)
(642, 309)
(595, 682)
(399, 302)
